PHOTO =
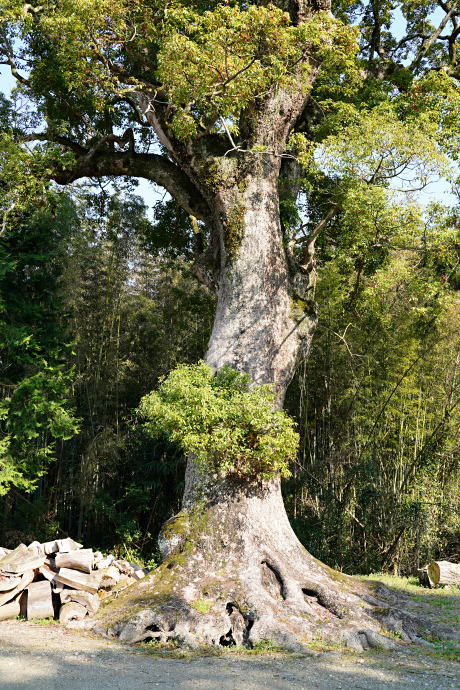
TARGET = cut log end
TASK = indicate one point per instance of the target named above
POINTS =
(72, 612)
(443, 573)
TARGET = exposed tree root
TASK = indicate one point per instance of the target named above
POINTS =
(235, 574)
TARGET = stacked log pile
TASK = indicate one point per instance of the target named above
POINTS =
(59, 579)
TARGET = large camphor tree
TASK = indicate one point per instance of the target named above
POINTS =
(212, 101)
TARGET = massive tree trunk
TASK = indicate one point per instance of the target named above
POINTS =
(233, 571)
(259, 326)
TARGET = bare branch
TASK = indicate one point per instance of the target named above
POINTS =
(309, 252)
(11, 62)
(429, 42)
(137, 111)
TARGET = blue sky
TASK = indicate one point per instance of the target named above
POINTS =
(145, 189)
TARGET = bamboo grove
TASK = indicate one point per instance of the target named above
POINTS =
(376, 483)
(99, 298)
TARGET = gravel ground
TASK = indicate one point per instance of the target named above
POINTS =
(40, 656)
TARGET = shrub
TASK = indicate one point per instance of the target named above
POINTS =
(229, 425)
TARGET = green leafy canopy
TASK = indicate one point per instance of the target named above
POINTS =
(209, 61)
(229, 425)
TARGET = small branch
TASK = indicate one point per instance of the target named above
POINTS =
(133, 35)
(429, 42)
(224, 83)
(228, 133)
(134, 106)
(340, 337)
(309, 252)
(10, 61)
(127, 138)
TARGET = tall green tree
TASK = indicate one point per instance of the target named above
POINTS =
(35, 375)
(214, 101)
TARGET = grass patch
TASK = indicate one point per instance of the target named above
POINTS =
(441, 605)
(262, 647)
(37, 621)
(202, 605)
(320, 645)
(409, 585)
(450, 651)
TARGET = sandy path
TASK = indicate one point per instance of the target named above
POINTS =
(39, 657)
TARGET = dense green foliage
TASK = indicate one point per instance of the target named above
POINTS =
(376, 482)
(230, 426)
(378, 476)
(134, 319)
(212, 59)
(34, 346)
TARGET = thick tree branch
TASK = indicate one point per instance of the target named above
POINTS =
(434, 36)
(309, 252)
(102, 163)
(64, 141)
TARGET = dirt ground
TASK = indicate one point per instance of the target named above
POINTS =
(49, 656)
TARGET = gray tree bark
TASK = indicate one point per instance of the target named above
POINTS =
(233, 571)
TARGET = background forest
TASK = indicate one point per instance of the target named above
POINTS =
(94, 311)
(98, 301)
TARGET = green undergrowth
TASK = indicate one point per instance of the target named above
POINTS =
(450, 651)
(320, 644)
(264, 648)
(441, 604)
(39, 621)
